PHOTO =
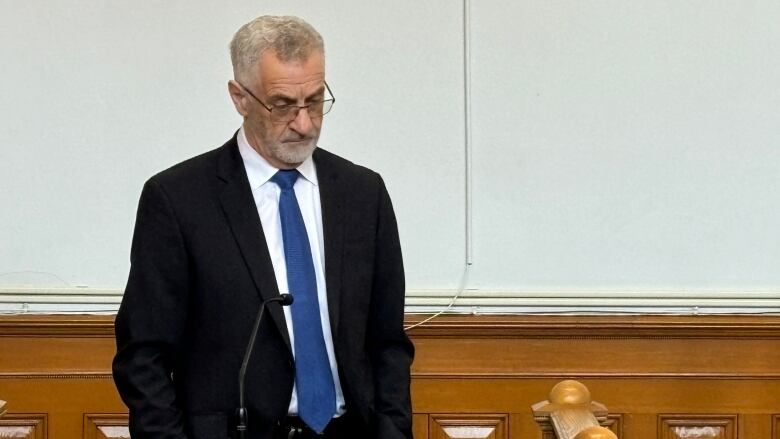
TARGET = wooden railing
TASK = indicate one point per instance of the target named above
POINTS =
(569, 413)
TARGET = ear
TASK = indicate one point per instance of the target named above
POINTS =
(238, 97)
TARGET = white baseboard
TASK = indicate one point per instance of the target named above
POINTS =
(106, 301)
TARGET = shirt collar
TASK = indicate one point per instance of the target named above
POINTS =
(259, 171)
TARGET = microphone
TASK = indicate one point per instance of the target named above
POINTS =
(284, 300)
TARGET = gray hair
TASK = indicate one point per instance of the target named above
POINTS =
(291, 38)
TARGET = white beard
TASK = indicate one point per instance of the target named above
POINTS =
(293, 154)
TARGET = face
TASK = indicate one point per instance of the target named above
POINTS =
(283, 145)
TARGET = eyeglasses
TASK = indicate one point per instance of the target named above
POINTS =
(287, 113)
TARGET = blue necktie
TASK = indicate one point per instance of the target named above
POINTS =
(316, 391)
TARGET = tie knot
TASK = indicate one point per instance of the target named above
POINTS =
(285, 178)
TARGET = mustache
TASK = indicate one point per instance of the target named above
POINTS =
(298, 139)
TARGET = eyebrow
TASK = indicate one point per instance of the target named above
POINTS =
(319, 93)
(290, 100)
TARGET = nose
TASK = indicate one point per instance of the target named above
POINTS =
(302, 123)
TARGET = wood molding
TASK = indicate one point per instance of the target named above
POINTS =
(776, 427)
(543, 326)
(24, 426)
(466, 367)
(615, 423)
(556, 326)
(56, 376)
(694, 426)
(420, 426)
(106, 426)
(57, 325)
(593, 375)
(472, 426)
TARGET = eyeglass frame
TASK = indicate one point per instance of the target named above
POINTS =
(270, 108)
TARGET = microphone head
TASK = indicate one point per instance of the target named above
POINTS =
(285, 299)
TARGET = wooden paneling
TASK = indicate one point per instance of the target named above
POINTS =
(750, 425)
(615, 423)
(697, 426)
(472, 375)
(103, 426)
(637, 366)
(61, 366)
(420, 426)
(23, 426)
(469, 426)
(776, 427)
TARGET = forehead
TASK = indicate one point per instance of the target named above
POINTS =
(275, 74)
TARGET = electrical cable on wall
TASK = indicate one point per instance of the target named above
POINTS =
(469, 256)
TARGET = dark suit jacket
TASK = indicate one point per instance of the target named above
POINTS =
(200, 268)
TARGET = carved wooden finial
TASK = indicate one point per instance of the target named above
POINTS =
(569, 392)
(596, 433)
(569, 411)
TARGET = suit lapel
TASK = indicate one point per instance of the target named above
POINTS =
(332, 229)
(241, 212)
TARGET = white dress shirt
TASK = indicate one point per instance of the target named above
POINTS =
(266, 195)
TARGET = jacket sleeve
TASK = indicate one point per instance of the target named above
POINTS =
(390, 349)
(151, 319)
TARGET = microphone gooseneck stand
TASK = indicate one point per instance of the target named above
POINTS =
(284, 300)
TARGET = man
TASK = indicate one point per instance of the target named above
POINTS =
(267, 213)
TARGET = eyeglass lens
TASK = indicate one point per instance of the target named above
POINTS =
(287, 113)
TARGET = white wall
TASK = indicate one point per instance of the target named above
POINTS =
(617, 145)
(627, 144)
